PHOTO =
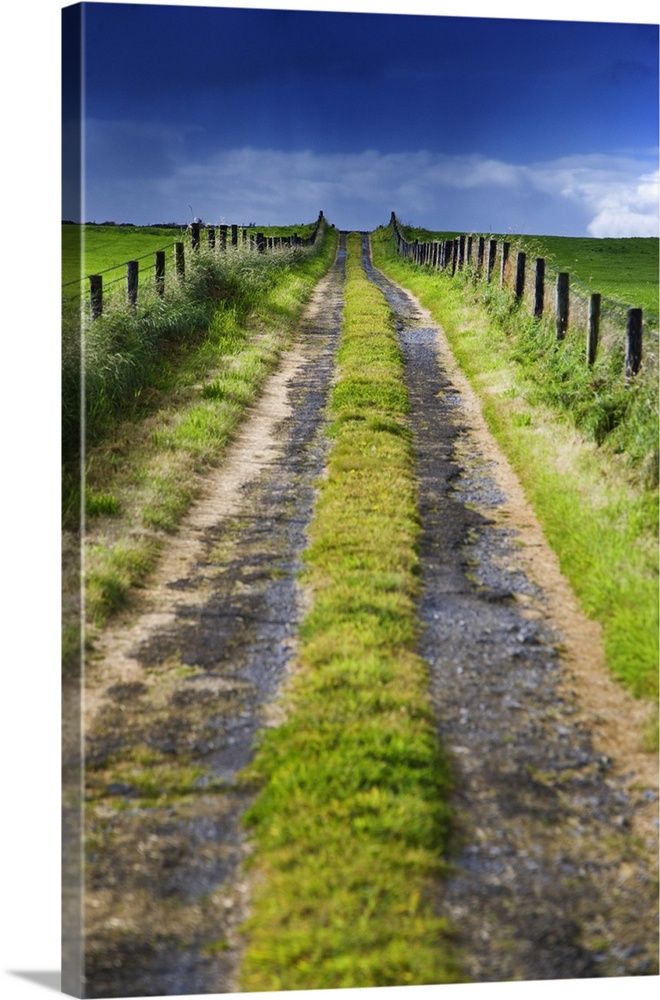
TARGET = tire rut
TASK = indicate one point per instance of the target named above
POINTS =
(548, 880)
(164, 890)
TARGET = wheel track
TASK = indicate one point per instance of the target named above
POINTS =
(549, 883)
(164, 889)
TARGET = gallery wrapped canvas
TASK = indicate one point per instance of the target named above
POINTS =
(359, 484)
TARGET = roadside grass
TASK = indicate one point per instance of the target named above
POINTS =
(92, 249)
(596, 501)
(146, 466)
(351, 821)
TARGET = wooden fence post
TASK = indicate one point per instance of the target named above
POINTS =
(223, 239)
(480, 253)
(194, 235)
(633, 342)
(160, 272)
(234, 235)
(461, 252)
(211, 232)
(539, 286)
(503, 263)
(561, 305)
(132, 282)
(96, 294)
(454, 256)
(180, 261)
(492, 253)
(593, 325)
(520, 274)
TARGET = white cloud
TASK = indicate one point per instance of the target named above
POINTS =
(597, 195)
(620, 195)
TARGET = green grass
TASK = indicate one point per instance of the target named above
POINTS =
(625, 270)
(93, 249)
(144, 471)
(130, 352)
(352, 821)
(596, 502)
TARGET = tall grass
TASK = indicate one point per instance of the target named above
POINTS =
(168, 410)
(119, 355)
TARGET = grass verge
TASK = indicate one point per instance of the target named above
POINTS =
(146, 469)
(351, 820)
(597, 503)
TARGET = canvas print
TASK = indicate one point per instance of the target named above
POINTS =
(359, 500)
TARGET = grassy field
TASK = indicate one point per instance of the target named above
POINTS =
(584, 445)
(90, 249)
(93, 249)
(625, 270)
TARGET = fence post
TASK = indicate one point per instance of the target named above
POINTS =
(454, 256)
(194, 235)
(96, 294)
(160, 272)
(539, 286)
(561, 307)
(492, 253)
(480, 253)
(223, 238)
(211, 232)
(180, 261)
(461, 252)
(520, 274)
(633, 342)
(468, 251)
(593, 327)
(503, 263)
(234, 235)
(132, 282)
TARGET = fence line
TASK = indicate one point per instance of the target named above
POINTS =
(220, 239)
(568, 305)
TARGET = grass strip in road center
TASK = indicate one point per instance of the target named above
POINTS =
(351, 821)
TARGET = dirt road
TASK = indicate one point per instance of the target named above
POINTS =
(552, 869)
(557, 827)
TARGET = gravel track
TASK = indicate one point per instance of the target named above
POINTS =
(549, 881)
(164, 890)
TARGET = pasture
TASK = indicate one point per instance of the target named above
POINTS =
(625, 270)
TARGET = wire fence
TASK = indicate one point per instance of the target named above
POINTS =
(135, 274)
(545, 291)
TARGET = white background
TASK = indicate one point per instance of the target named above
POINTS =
(29, 490)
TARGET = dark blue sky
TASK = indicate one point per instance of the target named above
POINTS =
(455, 122)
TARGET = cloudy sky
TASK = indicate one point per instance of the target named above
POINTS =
(463, 123)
